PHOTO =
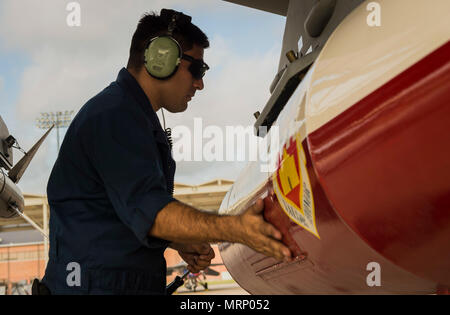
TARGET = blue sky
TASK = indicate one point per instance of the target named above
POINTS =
(45, 66)
(11, 69)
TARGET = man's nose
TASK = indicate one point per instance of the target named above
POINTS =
(198, 84)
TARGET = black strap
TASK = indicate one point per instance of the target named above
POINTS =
(39, 288)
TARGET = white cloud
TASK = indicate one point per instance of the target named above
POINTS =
(230, 98)
(70, 65)
(234, 91)
(64, 81)
(31, 24)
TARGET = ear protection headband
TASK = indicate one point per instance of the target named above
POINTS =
(163, 54)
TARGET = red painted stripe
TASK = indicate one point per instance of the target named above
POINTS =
(384, 164)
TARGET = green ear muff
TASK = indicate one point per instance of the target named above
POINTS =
(162, 57)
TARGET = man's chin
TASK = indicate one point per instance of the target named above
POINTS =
(177, 108)
(181, 108)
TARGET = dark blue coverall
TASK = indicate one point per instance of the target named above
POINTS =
(113, 174)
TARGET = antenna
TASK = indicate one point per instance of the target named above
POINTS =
(58, 119)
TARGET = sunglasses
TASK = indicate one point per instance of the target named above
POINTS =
(197, 68)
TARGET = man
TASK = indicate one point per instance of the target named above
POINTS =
(110, 191)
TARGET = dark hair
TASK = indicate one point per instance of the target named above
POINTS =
(152, 25)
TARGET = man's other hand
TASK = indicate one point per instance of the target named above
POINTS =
(197, 256)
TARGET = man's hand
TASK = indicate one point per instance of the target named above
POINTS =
(260, 235)
(197, 256)
(198, 227)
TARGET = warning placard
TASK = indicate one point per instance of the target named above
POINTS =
(292, 186)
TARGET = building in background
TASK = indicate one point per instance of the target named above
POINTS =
(24, 251)
(19, 265)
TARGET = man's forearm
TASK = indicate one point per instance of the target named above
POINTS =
(181, 223)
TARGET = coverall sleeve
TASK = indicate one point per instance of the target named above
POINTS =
(126, 156)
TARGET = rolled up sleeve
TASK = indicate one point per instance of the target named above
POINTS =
(125, 154)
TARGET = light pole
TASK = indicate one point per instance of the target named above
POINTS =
(59, 119)
(47, 120)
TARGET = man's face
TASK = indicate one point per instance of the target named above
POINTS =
(181, 88)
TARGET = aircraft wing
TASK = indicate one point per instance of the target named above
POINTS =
(279, 7)
(6, 154)
(211, 272)
(170, 270)
(17, 171)
(179, 268)
(182, 266)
